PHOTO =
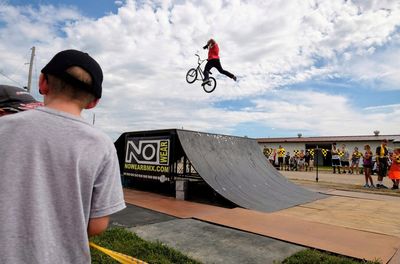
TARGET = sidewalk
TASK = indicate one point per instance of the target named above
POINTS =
(324, 176)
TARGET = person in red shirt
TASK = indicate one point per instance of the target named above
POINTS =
(394, 172)
(213, 61)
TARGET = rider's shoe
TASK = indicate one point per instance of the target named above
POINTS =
(234, 78)
(205, 81)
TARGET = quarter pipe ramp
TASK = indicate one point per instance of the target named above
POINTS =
(234, 167)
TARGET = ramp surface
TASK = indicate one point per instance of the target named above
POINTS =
(236, 168)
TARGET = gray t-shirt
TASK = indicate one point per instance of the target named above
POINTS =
(56, 172)
(345, 156)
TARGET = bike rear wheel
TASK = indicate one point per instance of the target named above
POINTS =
(191, 75)
(210, 86)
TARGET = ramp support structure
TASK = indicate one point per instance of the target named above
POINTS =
(181, 189)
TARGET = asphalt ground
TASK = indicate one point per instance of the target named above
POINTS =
(203, 241)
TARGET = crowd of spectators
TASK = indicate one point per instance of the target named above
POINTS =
(382, 162)
(379, 162)
(300, 161)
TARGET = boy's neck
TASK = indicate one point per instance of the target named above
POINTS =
(63, 105)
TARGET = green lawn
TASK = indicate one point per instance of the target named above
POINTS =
(311, 256)
(123, 241)
(126, 242)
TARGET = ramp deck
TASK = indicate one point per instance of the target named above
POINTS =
(236, 168)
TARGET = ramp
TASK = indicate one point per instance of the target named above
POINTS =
(236, 169)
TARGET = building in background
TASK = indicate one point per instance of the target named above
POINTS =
(295, 144)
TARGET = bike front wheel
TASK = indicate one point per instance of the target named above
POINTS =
(191, 75)
(210, 86)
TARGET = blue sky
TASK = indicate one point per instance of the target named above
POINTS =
(94, 9)
(310, 67)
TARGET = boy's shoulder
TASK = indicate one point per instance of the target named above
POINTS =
(57, 121)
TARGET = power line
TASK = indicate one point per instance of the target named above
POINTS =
(11, 79)
(19, 69)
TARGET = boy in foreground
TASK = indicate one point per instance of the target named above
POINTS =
(59, 176)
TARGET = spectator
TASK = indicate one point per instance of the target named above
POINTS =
(355, 160)
(311, 164)
(382, 163)
(281, 155)
(344, 159)
(335, 158)
(272, 157)
(307, 160)
(367, 164)
(301, 159)
(293, 163)
(287, 161)
(394, 172)
(14, 100)
(60, 177)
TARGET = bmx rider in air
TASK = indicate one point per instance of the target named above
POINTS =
(213, 61)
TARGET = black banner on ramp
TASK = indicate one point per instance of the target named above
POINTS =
(146, 156)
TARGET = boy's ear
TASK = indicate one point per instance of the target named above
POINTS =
(92, 104)
(43, 84)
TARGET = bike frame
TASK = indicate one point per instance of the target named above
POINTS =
(198, 68)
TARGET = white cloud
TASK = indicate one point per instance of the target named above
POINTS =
(317, 113)
(145, 50)
(383, 108)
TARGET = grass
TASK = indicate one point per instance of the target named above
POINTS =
(128, 243)
(311, 256)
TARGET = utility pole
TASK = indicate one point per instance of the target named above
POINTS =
(317, 153)
(30, 69)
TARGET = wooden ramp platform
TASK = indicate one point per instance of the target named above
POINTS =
(292, 225)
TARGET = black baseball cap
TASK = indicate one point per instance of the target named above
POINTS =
(15, 99)
(69, 58)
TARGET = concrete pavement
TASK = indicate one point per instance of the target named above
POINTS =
(210, 243)
(323, 176)
(205, 242)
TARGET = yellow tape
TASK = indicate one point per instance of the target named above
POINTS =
(121, 258)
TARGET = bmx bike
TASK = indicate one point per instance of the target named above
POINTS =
(196, 74)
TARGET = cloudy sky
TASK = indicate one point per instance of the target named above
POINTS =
(312, 67)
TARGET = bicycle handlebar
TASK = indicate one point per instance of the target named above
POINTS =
(200, 61)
